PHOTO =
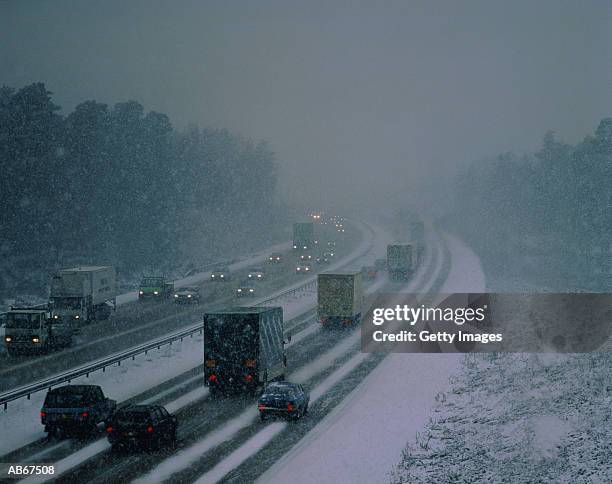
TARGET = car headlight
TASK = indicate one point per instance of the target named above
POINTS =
(140, 292)
(295, 246)
(55, 316)
(213, 276)
(250, 275)
(8, 339)
(188, 295)
(35, 339)
(259, 275)
(297, 268)
(221, 276)
(156, 292)
(77, 317)
(251, 290)
(239, 290)
(176, 295)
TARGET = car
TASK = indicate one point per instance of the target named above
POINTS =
(328, 254)
(247, 288)
(285, 399)
(187, 295)
(256, 273)
(303, 268)
(275, 258)
(75, 409)
(320, 259)
(147, 426)
(306, 257)
(220, 274)
(331, 243)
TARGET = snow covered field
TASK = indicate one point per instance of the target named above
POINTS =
(363, 437)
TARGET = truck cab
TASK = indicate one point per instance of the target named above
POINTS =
(155, 288)
(30, 330)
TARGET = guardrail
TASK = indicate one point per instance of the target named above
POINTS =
(67, 377)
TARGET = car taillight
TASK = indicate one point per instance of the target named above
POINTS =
(85, 414)
(248, 378)
(261, 406)
(290, 407)
(212, 378)
(109, 430)
(43, 414)
(150, 429)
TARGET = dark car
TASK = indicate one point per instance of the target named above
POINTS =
(147, 426)
(75, 408)
(187, 295)
(284, 399)
(275, 258)
(303, 268)
(256, 273)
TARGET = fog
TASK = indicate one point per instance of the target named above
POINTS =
(362, 102)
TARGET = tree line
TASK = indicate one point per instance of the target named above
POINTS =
(556, 203)
(120, 185)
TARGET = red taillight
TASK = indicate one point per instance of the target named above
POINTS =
(261, 406)
(150, 429)
(248, 378)
(109, 430)
(85, 414)
(212, 378)
(43, 414)
(290, 407)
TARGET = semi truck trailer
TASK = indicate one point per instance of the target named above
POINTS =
(303, 236)
(401, 261)
(339, 298)
(83, 294)
(243, 348)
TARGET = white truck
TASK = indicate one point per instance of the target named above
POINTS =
(33, 330)
(83, 294)
(339, 298)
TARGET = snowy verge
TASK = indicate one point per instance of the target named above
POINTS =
(364, 436)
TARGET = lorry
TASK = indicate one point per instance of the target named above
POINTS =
(243, 348)
(339, 298)
(75, 408)
(83, 294)
(401, 261)
(303, 236)
(155, 287)
(33, 330)
(417, 234)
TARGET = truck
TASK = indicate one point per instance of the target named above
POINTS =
(243, 348)
(339, 298)
(401, 261)
(83, 294)
(303, 236)
(417, 234)
(76, 408)
(155, 287)
(33, 330)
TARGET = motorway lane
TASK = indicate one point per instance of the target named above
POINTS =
(203, 420)
(139, 322)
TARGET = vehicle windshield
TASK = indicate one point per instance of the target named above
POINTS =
(280, 391)
(65, 400)
(22, 321)
(230, 337)
(257, 269)
(188, 289)
(151, 281)
(132, 417)
(67, 303)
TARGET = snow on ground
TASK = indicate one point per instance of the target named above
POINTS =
(519, 418)
(363, 437)
(20, 423)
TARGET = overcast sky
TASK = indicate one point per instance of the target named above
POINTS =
(368, 96)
